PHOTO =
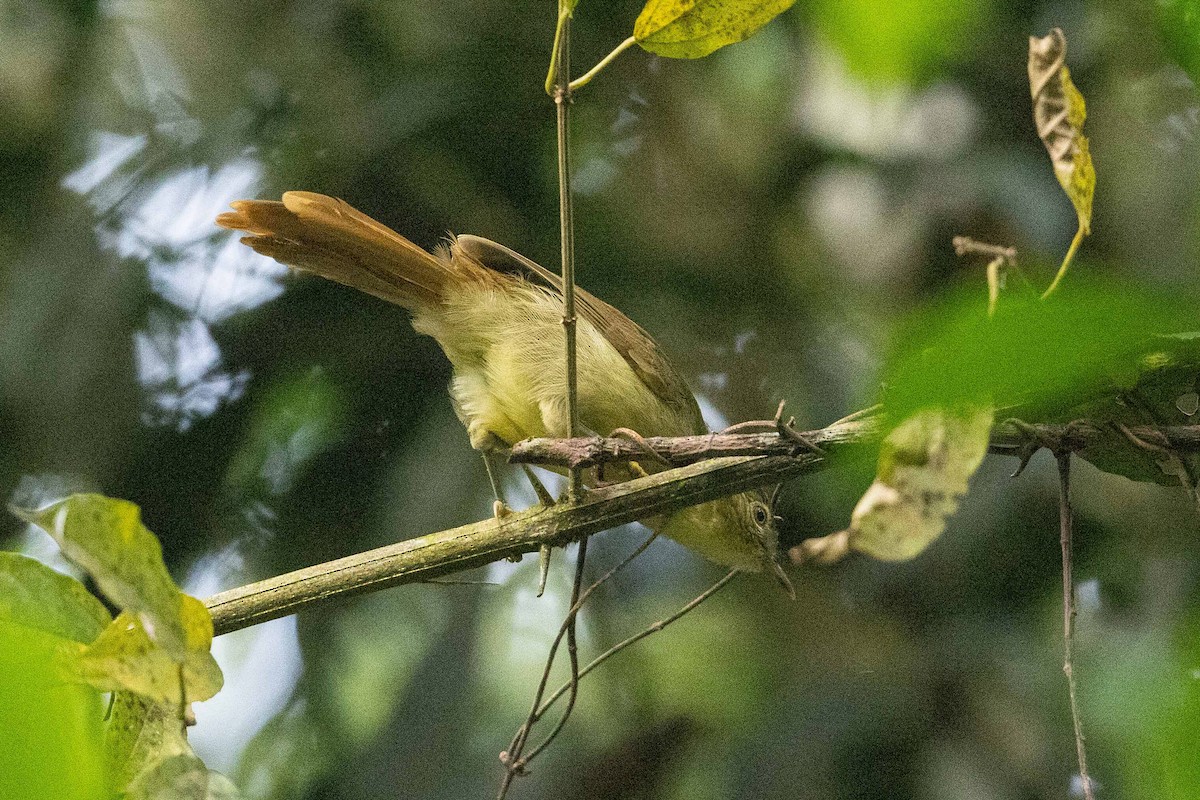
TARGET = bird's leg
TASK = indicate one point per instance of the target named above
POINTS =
(499, 509)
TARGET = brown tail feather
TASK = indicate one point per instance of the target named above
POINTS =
(326, 236)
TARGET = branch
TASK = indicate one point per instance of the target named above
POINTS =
(743, 461)
(1007, 439)
(593, 451)
(561, 66)
(426, 557)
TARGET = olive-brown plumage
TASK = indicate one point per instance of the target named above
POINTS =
(498, 317)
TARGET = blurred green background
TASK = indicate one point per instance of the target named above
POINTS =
(772, 214)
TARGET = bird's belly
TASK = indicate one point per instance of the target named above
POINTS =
(508, 350)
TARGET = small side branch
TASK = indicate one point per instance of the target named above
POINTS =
(680, 450)
(1068, 584)
(586, 78)
(1007, 439)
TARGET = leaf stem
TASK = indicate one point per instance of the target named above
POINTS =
(586, 78)
(564, 15)
(1062, 271)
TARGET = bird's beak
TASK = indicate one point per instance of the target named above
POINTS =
(784, 581)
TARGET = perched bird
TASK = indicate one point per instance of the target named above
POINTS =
(498, 317)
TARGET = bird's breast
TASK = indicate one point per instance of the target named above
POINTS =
(508, 350)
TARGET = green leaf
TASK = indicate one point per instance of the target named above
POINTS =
(50, 732)
(140, 733)
(1179, 25)
(1102, 351)
(124, 658)
(898, 41)
(105, 536)
(1040, 357)
(35, 596)
(149, 756)
(695, 28)
(181, 777)
(1160, 393)
(924, 466)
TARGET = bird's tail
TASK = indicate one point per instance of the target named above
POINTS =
(328, 237)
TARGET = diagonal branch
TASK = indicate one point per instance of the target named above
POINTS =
(437, 554)
(716, 465)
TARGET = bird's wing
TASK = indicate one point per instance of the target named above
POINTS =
(639, 350)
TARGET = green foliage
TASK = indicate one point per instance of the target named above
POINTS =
(35, 596)
(1143, 694)
(695, 28)
(905, 41)
(1088, 342)
(924, 465)
(50, 740)
(106, 537)
(958, 368)
(155, 656)
(125, 658)
(934, 675)
(1179, 26)
(1155, 392)
(181, 777)
(140, 733)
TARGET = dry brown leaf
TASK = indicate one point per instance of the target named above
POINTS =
(1059, 112)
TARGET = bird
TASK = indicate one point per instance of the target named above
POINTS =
(497, 315)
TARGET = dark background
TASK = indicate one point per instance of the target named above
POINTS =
(772, 214)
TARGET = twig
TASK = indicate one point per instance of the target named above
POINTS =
(679, 450)
(994, 279)
(561, 66)
(1065, 524)
(512, 758)
(1001, 262)
(642, 634)
(1062, 271)
(965, 245)
(572, 647)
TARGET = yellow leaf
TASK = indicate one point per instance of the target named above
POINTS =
(924, 466)
(1059, 112)
(695, 28)
(125, 658)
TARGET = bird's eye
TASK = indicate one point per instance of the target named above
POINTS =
(760, 515)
